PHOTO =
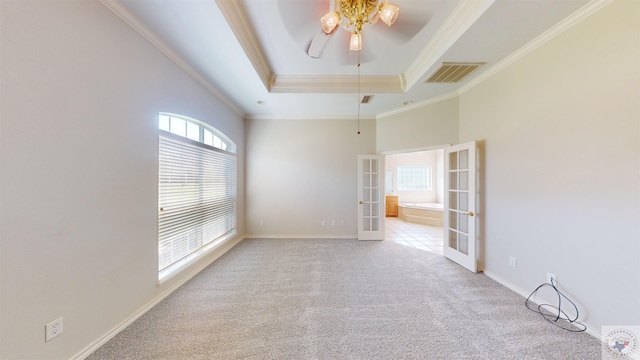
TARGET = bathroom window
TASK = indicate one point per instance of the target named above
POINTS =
(196, 191)
(414, 178)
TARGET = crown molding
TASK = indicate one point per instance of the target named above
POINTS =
(460, 20)
(310, 117)
(238, 20)
(123, 13)
(573, 19)
(336, 84)
(418, 105)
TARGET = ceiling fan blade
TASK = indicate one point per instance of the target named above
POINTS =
(317, 44)
(302, 18)
(375, 19)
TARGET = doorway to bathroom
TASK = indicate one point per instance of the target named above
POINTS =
(414, 190)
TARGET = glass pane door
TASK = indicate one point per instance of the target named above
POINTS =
(460, 195)
(370, 188)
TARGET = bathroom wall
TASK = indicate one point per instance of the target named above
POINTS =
(431, 159)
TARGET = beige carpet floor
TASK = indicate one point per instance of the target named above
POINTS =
(342, 299)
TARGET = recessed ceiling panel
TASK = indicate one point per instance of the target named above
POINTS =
(286, 28)
(205, 38)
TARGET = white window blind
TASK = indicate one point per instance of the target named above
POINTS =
(196, 197)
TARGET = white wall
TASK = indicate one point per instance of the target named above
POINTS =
(300, 172)
(81, 92)
(424, 127)
(560, 134)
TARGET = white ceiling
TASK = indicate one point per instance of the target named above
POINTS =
(252, 53)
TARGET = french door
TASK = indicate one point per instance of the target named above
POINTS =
(460, 204)
(370, 197)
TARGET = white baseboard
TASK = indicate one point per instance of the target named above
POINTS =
(302, 236)
(216, 253)
(591, 330)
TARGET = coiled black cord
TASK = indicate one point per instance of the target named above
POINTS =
(559, 318)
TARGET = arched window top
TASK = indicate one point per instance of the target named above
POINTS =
(195, 130)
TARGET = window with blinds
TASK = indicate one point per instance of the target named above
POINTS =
(196, 194)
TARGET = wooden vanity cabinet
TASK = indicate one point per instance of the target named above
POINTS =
(391, 206)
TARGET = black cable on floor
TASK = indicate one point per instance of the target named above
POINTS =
(556, 317)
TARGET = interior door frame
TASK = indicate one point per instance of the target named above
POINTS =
(463, 214)
(371, 205)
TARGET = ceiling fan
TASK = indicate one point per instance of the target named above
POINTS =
(301, 19)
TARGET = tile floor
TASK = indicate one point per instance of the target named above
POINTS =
(419, 236)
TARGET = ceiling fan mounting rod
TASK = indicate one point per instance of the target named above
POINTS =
(358, 12)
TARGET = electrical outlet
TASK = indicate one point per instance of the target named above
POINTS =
(551, 279)
(342, 223)
(513, 262)
(323, 223)
(52, 329)
(333, 223)
(261, 222)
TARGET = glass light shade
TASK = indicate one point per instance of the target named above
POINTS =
(356, 42)
(330, 21)
(388, 13)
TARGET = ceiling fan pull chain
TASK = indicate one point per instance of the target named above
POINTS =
(358, 92)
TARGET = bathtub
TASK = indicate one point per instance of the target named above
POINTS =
(421, 213)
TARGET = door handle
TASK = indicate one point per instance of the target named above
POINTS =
(470, 213)
(361, 203)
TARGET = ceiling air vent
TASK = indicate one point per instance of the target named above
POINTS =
(366, 99)
(451, 72)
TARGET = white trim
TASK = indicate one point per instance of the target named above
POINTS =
(391, 84)
(302, 236)
(460, 20)
(309, 117)
(465, 14)
(420, 104)
(239, 23)
(566, 24)
(176, 268)
(219, 251)
(591, 330)
(405, 151)
(117, 8)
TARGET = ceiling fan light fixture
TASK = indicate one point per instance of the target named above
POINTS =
(356, 42)
(358, 13)
(329, 21)
(388, 13)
